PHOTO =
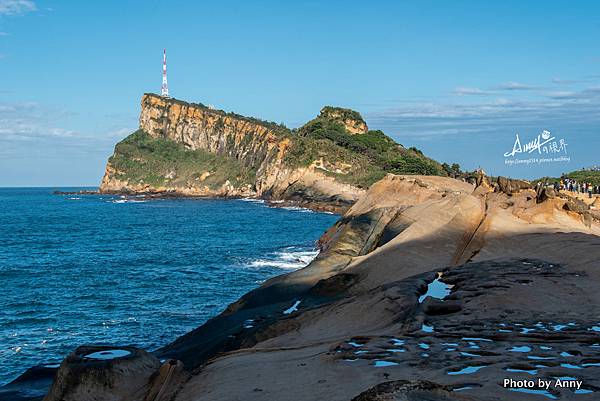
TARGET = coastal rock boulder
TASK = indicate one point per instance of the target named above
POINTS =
(510, 186)
(544, 193)
(103, 373)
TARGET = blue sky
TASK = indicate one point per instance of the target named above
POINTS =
(457, 79)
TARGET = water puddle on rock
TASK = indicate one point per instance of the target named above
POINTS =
(397, 342)
(292, 309)
(382, 364)
(539, 357)
(513, 370)
(476, 339)
(587, 365)
(436, 289)
(108, 354)
(570, 366)
(467, 370)
(523, 348)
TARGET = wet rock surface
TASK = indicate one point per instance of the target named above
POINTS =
(533, 332)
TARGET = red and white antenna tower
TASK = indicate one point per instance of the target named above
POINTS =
(164, 90)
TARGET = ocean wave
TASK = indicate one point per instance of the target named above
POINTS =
(253, 200)
(290, 259)
(126, 201)
(298, 209)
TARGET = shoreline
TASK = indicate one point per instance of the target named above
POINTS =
(363, 289)
(315, 206)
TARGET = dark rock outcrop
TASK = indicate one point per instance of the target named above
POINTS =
(103, 373)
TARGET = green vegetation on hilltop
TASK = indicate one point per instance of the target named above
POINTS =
(370, 155)
(589, 176)
(345, 114)
(142, 159)
(581, 176)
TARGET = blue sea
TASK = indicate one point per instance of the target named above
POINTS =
(80, 269)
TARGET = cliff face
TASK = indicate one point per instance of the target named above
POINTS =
(196, 127)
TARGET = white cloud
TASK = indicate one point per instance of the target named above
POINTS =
(516, 86)
(576, 109)
(31, 122)
(119, 133)
(16, 7)
(466, 91)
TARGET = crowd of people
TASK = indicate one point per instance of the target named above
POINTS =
(569, 184)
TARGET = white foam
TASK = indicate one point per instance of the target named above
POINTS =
(252, 200)
(298, 209)
(52, 366)
(108, 354)
(289, 260)
(127, 201)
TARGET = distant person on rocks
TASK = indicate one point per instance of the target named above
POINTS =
(590, 190)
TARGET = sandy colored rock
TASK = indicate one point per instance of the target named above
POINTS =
(513, 262)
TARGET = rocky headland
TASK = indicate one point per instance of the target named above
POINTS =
(187, 149)
(427, 288)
